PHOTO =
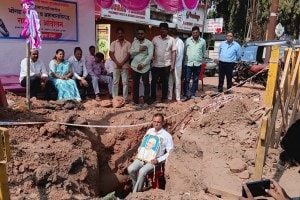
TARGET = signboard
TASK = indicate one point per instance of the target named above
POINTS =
(187, 19)
(58, 19)
(103, 38)
(118, 12)
(214, 25)
(279, 30)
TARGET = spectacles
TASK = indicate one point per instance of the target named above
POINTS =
(140, 33)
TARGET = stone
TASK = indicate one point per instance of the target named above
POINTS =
(106, 103)
(21, 169)
(43, 131)
(244, 175)
(237, 165)
(80, 120)
(118, 102)
(223, 134)
(250, 155)
(214, 132)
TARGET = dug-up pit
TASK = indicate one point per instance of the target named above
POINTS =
(214, 148)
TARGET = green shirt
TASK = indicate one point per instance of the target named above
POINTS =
(194, 51)
(141, 57)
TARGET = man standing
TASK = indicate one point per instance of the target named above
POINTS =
(195, 47)
(163, 61)
(229, 52)
(175, 75)
(142, 53)
(83, 80)
(120, 53)
(140, 168)
(38, 75)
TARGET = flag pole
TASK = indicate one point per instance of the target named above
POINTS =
(31, 31)
(28, 102)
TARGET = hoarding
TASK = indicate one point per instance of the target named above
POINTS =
(58, 19)
(187, 19)
(118, 12)
(214, 25)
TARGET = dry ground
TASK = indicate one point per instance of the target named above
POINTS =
(214, 147)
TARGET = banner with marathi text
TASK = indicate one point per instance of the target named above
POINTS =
(58, 19)
(119, 12)
(187, 19)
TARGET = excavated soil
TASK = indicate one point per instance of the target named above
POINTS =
(215, 139)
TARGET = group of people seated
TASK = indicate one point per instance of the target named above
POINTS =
(67, 77)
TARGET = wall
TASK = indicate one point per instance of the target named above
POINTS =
(13, 51)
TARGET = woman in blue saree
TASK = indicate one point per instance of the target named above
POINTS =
(61, 76)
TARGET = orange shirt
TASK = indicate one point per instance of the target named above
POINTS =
(121, 50)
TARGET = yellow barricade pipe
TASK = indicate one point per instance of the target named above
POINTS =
(4, 158)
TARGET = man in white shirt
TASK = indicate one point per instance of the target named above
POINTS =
(83, 80)
(119, 52)
(140, 168)
(175, 75)
(38, 75)
(163, 61)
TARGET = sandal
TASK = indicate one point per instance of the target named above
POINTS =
(98, 98)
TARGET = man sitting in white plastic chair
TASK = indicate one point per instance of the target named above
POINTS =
(154, 150)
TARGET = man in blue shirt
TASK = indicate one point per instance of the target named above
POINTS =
(230, 51)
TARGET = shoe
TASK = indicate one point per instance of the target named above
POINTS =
(145, 105)
(228, 92)
(164, 101)
(86, 98)
(193, 97)
(98, 98)
(137, 106)
(150, 101)
(184, 98)
(135, 102)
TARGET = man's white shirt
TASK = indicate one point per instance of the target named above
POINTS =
(78, 67)
(37, 67)
(166, 144)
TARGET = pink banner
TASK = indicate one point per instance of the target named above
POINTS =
(135, 5)
(167, 5)
(190, 4)
(105, 3)
(170, 5)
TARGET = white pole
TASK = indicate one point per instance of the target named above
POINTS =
(28, 77)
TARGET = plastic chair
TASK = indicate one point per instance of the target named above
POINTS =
(159, 172)
(201, 75)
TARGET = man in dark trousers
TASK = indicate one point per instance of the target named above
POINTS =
(229, 52)
(142, 53)
(38, 75)
(163, 61)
